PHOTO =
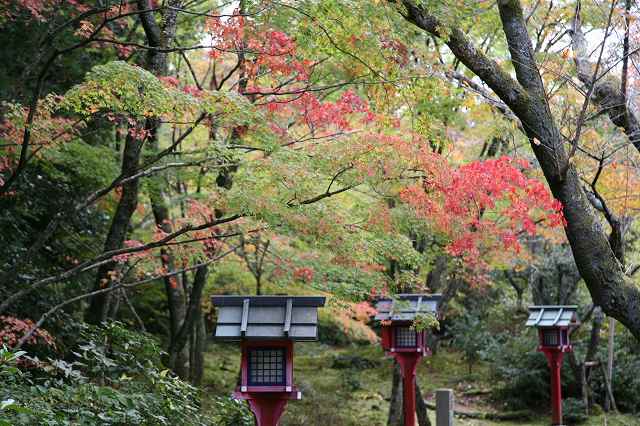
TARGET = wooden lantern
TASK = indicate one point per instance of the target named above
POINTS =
(554, 324)
(266, 327)
(403, 342)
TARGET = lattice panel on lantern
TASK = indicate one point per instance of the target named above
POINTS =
(550, 338)
(266, 367)
(406, 337)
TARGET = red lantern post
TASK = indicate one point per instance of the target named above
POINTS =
(267, 326)
(405, 344)
(554, 324)
(267, 379)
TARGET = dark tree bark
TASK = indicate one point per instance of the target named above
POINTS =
(254, 260)
(197, 354)
(178, 350)
(396, 416)
(99, 305)
(604, 276)
(594, 339)
(175, 291)
(518, 288)
(156, 62)
(421, 408)
(161, 34)
(396, 409)
(437, 276)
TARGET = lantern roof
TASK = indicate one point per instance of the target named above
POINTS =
(267, 317)
(405, 307)
(552, 316)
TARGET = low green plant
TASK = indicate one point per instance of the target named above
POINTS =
(521, 374)
(231, 412)
(114, 378)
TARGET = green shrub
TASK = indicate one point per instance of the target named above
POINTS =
(470, 336)
(521, 374)
(115, 378)
(351, 380)
(231, 412)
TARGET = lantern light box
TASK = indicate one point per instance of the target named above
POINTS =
(267, 326)
(397, 316)
(554, 324)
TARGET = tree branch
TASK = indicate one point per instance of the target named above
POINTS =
(607, 93)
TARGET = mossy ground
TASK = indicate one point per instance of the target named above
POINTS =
(335, 396)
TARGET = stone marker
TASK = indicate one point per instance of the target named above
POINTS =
(444, 407)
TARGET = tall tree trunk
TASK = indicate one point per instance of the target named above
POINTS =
(178, 350)
(175, 285)
(594, 340)
(174, 289)
(156, 62)
(197, 364)
(421, 408)
(518, 289)
(160, 34)
(99, 304)
(437, 276)
(396, 409)
(396, 416)
(592, 349)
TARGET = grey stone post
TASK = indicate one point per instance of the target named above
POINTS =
(444, 407)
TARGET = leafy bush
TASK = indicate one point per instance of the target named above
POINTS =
(470, 336)
(339, 329)
(115, 378)
(351, 381)
(231, 412)
(12, 329)
(522, 373)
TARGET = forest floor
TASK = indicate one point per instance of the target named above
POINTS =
(352, 386)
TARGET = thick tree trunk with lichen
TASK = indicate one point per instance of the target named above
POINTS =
(606, 280)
